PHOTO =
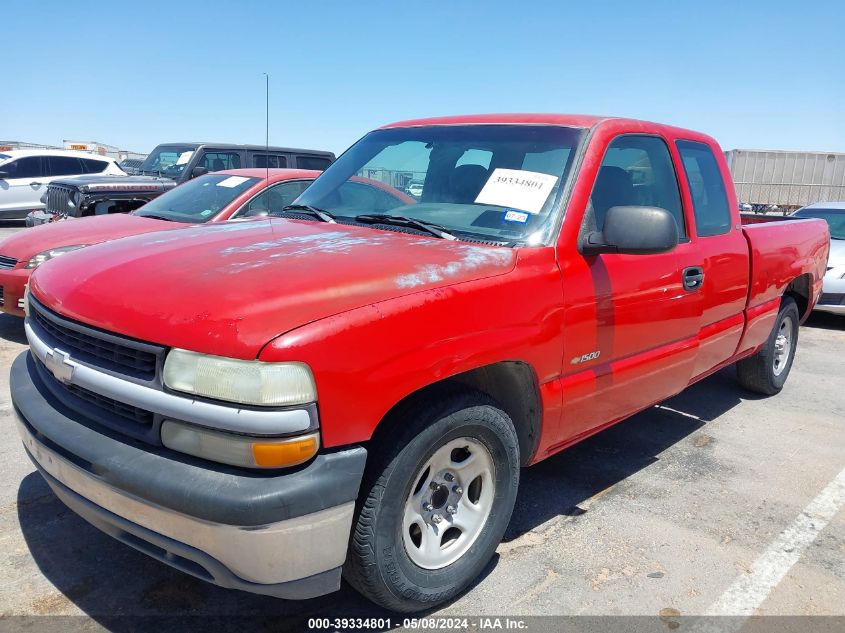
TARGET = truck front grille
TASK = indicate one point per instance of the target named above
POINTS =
(126, 411)
(58, 199)
(111, 352)
(7, 263)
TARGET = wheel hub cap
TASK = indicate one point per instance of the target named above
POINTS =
(783, 346)
(449, 503)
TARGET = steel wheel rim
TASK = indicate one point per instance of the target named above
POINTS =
(783, 346)
(443, 517)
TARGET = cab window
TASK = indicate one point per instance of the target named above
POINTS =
(637, 171)
(269, 160)
(709, 198)
(312, 162)
(218, 161)
(64, 166)
(26, 167)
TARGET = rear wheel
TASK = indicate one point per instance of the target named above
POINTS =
(766, 371)
(435, 502)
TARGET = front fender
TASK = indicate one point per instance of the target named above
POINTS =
(368, 359)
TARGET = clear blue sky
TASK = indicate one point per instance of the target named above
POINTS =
(753, 74)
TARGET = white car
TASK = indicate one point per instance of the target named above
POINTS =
(25, 174)
(833, 291)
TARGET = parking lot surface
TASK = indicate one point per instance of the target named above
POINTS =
(714, 502)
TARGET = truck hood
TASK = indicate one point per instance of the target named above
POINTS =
(93, 230)
(230, 288)
(151, 183)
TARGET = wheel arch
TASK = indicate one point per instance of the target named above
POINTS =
(799, 289)
(510, 384)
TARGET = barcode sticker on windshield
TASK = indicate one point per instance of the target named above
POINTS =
(184, 157)
(232, 181)
(523, 190)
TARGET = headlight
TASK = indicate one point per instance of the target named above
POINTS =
(77, 198)
(238, 450)
(44, 256)
(244, 381)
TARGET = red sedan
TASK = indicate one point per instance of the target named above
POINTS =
(218, 197)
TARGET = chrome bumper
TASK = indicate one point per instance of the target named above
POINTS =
(267, 555)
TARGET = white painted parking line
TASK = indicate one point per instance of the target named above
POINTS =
(748, 592)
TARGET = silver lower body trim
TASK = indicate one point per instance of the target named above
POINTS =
(270, 554)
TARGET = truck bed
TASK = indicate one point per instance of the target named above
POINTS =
(788, 251)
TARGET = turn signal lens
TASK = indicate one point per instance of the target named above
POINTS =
(238, 450)
(289, 453)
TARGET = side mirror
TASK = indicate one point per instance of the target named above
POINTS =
(4, 175)
(199, 171)
(633, 230)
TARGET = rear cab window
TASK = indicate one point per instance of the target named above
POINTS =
(709, 198)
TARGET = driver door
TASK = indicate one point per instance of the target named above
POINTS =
(630, 337)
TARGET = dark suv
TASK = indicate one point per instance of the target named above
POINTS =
(167, 165)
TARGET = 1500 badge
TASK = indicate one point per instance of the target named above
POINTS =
(585, 358)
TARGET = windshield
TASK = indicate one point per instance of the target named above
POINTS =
(496, 182)
(167, 160)
(197, 200)
(835, 219)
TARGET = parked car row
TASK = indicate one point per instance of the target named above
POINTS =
(343, 378)
(216, 197)
(165, 167)
(25, 174)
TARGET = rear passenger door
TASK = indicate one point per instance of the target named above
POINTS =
(722, 254)
(631, 327)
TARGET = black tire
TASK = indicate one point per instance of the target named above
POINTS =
(757, 373)
(377, 564)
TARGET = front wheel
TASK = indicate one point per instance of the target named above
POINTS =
(766, 371)
(435, 502)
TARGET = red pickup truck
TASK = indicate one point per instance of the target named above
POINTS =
(224, 195)
(353, 385)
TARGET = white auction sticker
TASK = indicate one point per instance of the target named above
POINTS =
(524, 190)
(184, 157)
(232, 181)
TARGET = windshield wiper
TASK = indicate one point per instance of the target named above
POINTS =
(320, 214)
(402, 220)
(154, 217)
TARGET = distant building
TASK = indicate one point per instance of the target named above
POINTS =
(6, 146)
(785, 179)
(102, 149)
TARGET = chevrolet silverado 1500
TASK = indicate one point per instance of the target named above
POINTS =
(352, 387)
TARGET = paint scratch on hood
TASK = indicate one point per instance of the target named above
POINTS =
(473, 258)
(336, 242)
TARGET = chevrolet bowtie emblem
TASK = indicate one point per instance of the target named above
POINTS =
(59, 365)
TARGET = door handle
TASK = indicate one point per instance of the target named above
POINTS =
(693, 277)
